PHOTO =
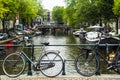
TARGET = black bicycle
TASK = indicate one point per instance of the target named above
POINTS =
(88, 62)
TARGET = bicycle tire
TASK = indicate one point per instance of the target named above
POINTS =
(117, 64)
(13, 65)
(55, 69)
(87, 65)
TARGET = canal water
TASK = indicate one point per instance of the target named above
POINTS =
(68, 53)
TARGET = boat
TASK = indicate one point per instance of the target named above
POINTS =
(95, 35)
(79, 32)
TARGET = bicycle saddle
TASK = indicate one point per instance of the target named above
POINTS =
(86, 49)
(45, 43)
(82, 48)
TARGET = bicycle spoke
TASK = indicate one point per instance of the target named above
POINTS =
(13, 65)
(51, 64)
(86, 66)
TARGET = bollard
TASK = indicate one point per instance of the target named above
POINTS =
(63, 69)
(29, 63)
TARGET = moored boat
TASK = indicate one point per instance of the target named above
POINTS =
(79, 32)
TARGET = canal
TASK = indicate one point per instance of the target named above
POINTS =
(67, 52)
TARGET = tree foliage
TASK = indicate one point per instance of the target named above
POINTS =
(116, 8)
(11, 6)
(26, 9)
(78, 12)
(57, 14)
(2, 9)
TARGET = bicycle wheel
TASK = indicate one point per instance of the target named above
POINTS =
(13, 65)
(117, 65)
(51, 64)
(87, 64)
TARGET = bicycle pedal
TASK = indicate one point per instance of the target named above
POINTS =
(35, 68)
(110, 67)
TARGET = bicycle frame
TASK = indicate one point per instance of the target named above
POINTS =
(42, 53)
(26, 57)
(101, 56)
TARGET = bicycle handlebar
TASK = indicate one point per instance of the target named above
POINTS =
(82, 48)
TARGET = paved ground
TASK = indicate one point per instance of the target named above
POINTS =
(66, 77)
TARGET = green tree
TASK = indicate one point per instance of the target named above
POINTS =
(57, 14)
(26, 9)
(116, 10)
(10, 7)
(88, 11)
(2, 9)
(70, 15)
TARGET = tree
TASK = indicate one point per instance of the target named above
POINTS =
(116, 10)
(70, 15)
(88, 11)
(26, 9)
(57, 14)
(2, 9)
(10, 9)
(116, 7)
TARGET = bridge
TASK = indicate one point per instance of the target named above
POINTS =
(53, 28)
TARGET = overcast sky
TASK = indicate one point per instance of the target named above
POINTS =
(49, 4)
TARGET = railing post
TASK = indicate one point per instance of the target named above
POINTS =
(63, 69)
(30, 55)
(33, 57)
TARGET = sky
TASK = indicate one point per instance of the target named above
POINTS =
(49, 4)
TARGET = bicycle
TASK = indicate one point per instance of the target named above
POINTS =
(50, 63)
(88, 63)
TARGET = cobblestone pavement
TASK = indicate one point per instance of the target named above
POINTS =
(66, 77)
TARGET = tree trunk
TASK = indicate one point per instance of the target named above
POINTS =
(3, 24)
(118, 25)
(100, 22)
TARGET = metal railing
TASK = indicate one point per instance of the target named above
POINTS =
(65, 60)
(33, 46)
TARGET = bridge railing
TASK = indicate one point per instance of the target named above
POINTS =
(33, 46)
(83, 45)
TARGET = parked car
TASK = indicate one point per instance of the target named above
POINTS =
(3, 36)
(11, 34)
(38, 32)
(28, 31)
(20, 32)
